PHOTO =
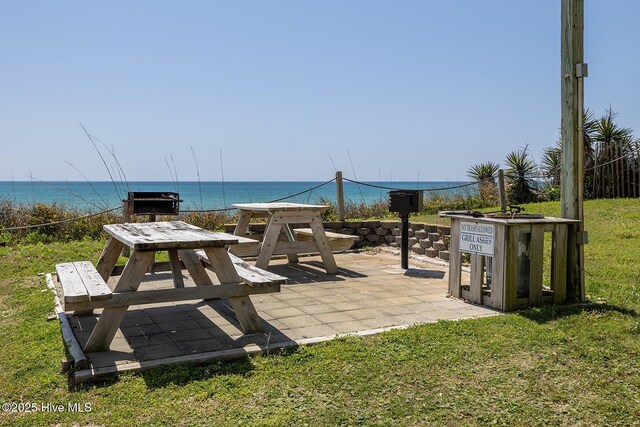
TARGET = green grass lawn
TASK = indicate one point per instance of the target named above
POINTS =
(572, 365)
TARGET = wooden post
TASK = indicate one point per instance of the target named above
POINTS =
(572, 54)
(501, 190)
(126, 217)
(340, 196)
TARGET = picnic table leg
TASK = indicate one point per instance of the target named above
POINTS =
(243, 223)
(246, 313)
(292, 258)
(111, 317)
(109, 257)
(269, 243)
(194, 267)
(323, 245)
(176, 269)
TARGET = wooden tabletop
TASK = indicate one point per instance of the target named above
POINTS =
(169, 235)
(275, 207)
(516, 219)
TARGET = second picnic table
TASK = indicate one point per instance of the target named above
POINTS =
(281, 216)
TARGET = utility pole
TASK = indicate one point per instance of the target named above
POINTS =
(573, 70)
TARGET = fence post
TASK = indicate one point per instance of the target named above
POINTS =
(126, 217)
(502, 192)
(339, 196)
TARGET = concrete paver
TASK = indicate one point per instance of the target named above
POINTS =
(369, 293)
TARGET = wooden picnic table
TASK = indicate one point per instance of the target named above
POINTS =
(281, 216)
(180, 240)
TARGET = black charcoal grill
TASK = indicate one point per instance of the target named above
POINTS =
(153, 203)
(405, 202)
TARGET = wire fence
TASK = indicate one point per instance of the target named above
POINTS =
(290, 196)
(453, 187)
(539, 176)
(227, 209)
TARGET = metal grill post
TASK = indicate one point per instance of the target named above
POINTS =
(404, 236)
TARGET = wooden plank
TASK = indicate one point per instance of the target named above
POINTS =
(244, 218)
(536, 257)
(176, 268)
(250, 322)
(548, 228)
(323, 246)
(511, 269)
(96, 287)
(477, 278)
(498, 270)
(156, 267)
(167, 235)
(248, 250)
(455, 259)
(559, 264)
(246, 313)
(78, 356)
(69, 338)
(295, 217)
(284, 248)
(247, 272)
(109, 257)
(72, 286)
(241, 264)
(339, 196)
(268, 244)
(192, 293)
(221, 265)
(292, 258)
(515, 221)
(277, 206)
(330, 234)
(341, 245)
(194, 266)
(110, 319)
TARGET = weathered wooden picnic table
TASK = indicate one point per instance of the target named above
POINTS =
(281, 216)
(85, 287)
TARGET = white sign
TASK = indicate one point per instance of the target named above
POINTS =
(477, 238)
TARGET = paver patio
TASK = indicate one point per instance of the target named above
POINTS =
(370, 293)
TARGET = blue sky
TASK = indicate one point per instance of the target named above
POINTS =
(412, 89)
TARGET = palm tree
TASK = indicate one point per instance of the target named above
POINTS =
(521, 172)
(485, 174)
(552, 163)
(551, 168)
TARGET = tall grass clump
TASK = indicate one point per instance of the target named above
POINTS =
(208, 220)
(435, 203)
(354, 210)
(46, 223)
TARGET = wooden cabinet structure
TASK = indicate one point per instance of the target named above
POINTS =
(507, 257)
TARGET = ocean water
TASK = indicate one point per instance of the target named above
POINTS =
(96, 196)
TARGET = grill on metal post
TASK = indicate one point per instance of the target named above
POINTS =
(405, 202)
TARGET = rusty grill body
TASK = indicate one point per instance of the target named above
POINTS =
(405, 202)
(153, 203)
